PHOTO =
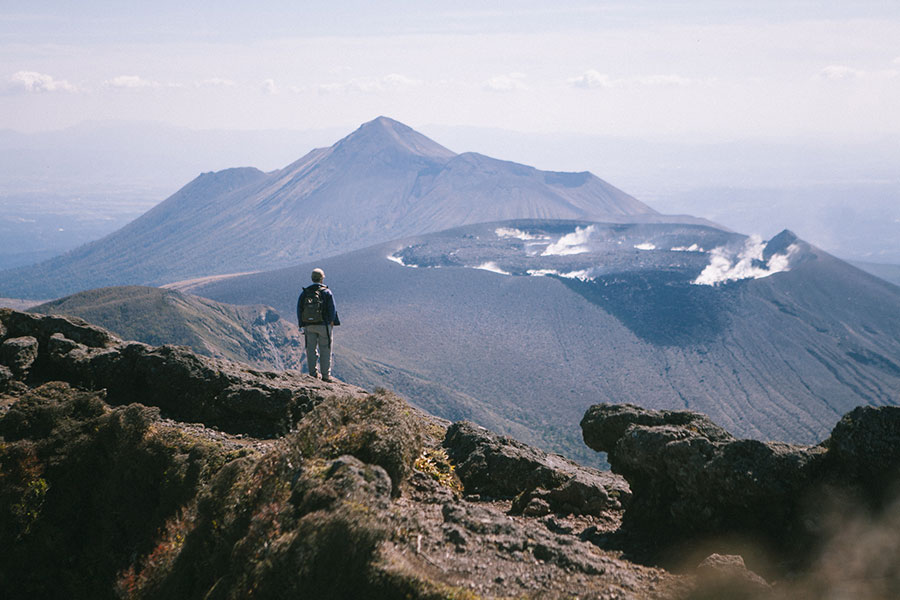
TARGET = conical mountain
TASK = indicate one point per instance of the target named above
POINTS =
(381, 182)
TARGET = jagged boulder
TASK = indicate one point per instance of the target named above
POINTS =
(19, 354)
(607, 423)
(17, 324)
(691, 479)
(864, 452)
(501, 467)
(726, 576)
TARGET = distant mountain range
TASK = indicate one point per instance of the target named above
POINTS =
(384, 181)
(887, 272)
(539, 319)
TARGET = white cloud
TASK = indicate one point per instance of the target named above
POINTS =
(513, 82)
(747, 263)
(592, 80)
(368, 85)
(269, 87)
(845, 73)
(571, 243)
(664, 80)
(691, 248)
(130, 82)
(397, 81)
(34, 82)
(840, 72)
(215, 82)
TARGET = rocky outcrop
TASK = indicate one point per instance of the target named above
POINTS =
(501, 467)
(690, 479)
(19, 353)
(185, 386)
(726, 576)
(106, 491)
(864, 454)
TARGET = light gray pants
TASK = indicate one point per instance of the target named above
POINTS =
(318, 348)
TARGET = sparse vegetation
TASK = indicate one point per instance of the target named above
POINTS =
(84, 487)
(377, 428)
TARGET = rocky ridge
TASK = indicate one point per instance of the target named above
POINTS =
(255, 335)
(271, 484)
(130, 471)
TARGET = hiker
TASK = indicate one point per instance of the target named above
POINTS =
(317, 317)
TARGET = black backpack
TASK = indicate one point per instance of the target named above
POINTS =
(312, 311)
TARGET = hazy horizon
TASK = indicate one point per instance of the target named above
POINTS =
(704, 70)
(761, 117)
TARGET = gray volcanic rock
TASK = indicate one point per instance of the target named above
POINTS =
(185, 386)
(726, 576)
(864, 451)
(464, 520)
(608, 423)
(499, 466)
(691, 480)
(19, 353)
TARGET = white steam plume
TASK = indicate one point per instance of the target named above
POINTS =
(492, 267)
(571, 243)
(508, 232)
(726, 265)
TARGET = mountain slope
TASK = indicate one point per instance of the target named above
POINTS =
(540, 319)
(382, 182)
(255, 335)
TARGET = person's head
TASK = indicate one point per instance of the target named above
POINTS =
(318, 275)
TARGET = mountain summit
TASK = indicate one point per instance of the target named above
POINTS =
(384, 133)
(382, 182)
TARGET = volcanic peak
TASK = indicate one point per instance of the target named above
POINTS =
(385, 134)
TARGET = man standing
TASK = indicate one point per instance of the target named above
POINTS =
(317, 316)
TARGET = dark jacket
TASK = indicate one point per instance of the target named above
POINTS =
(329, 315)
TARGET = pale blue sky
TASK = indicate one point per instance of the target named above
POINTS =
(704, 70)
